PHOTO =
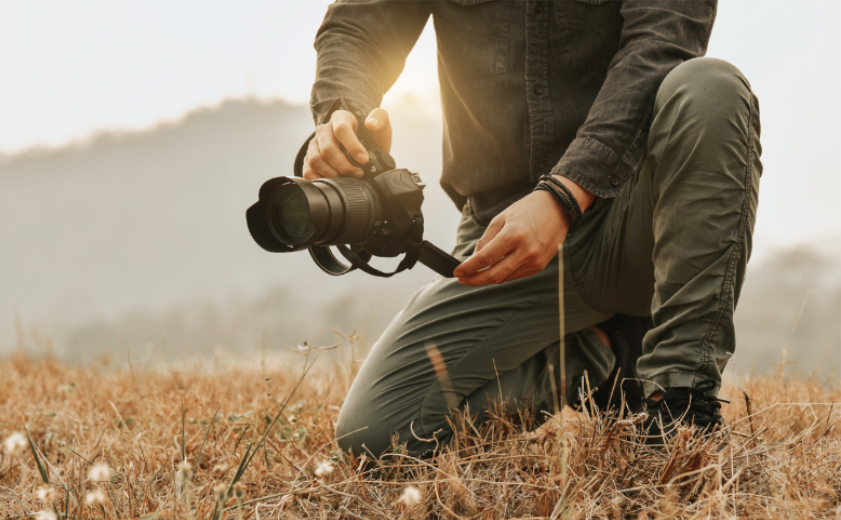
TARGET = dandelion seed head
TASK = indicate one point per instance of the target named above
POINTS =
(95, 497)
(411, 496)
(239, 490)
(221, 491)
(46, 494)
(45, 515)
(324, 468)
(184, 472)
(99, 473)
(14, 441)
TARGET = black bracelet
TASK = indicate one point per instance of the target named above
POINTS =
(568, 204)
(564, 197)
(557, 182)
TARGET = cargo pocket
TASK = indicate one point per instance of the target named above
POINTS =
(589, 32)
(473, 37)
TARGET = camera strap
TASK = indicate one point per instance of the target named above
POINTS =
(359, 258)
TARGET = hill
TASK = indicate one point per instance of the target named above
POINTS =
(108, 235)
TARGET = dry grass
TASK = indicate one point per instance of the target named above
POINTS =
(783, 461)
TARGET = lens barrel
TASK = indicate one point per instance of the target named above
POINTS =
(293, 214)
(361, 207)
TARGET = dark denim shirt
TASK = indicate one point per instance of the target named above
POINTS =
(527, 87)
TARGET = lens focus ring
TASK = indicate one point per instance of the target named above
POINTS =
(361, 211)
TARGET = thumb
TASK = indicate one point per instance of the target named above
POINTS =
(380, 126)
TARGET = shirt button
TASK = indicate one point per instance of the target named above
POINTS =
(613, 181)
(538, 89)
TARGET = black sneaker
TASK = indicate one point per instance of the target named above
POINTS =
(682, 406)
(625, 334)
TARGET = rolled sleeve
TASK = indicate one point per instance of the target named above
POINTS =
(656, 37)
(362, 47)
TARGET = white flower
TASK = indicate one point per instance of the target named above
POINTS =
(221, 491)
(184, 472)
(325, 467)
(14, 441)
(411, 496)
(99, 473)
(95, 497)
(46, 494)
(45, 515)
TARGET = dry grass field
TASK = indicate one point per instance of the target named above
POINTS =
(219, 442)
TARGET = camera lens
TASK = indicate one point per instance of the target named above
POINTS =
(292, 214)
(359, 209)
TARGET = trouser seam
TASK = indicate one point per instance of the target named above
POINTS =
(730, 273)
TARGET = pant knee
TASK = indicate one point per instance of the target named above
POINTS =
(711, 82)
(357, 435)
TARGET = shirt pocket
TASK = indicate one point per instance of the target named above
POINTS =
(589, 32)
(473, 37)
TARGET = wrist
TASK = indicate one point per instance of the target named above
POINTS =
(556, 210)
(582, 196)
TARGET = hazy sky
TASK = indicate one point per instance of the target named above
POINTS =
(72, 67)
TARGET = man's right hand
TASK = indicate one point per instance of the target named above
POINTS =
(326, 159)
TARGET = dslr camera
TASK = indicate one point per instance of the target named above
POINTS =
(377, 215)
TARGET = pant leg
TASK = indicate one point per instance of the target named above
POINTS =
(677, 240)
(494, 339)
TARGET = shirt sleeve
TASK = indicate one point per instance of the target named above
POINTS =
(362, 47)
(656, 37)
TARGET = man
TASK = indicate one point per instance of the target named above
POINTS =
(656, 145)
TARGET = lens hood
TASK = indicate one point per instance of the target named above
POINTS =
(293, 214)
(261, 216)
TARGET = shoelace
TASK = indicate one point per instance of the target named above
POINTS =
(691, 404)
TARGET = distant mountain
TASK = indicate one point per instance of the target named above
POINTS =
(142, 221)
(137, 241)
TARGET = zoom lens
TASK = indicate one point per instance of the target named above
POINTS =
(360, 209)
(293, 214)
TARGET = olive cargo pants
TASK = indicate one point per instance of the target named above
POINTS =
(674, 246)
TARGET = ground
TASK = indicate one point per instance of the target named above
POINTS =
(110, 443)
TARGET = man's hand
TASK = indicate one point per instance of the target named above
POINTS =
(325, 158)
(521, 240)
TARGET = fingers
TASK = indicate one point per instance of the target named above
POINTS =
(325, 157)
(483, 257)
(380, 126)
(343, 124)
(315, 167)
(488, 256)
(331, 154)
(505, 252)
(497, 273)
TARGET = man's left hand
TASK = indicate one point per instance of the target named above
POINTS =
(520, 241)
